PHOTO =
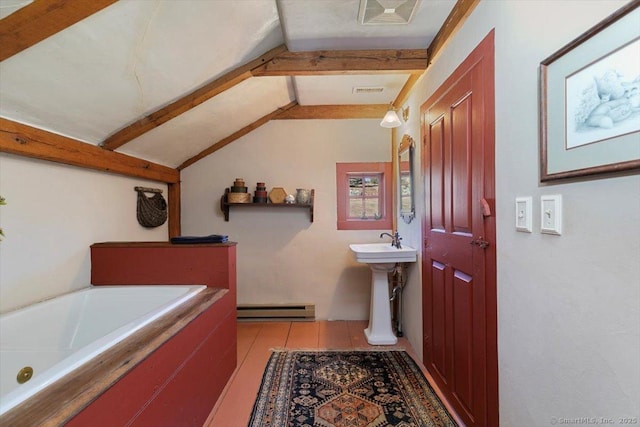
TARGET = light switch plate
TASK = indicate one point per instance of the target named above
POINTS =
(551, 214)
(524, 212)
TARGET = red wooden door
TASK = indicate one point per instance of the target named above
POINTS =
(459, 299)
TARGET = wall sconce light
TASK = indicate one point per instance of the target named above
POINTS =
(391, 119)
(405, 114)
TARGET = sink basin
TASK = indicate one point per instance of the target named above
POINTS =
(381, 258)
(382, 253)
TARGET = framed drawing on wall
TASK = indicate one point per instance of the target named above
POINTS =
(590, 101)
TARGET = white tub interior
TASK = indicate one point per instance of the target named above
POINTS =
(57, 336)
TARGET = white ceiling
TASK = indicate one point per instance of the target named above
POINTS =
(333, 25)
(135, 56)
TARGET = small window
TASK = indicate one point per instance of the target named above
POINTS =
(364, 196)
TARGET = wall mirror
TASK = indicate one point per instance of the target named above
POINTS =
(406, 179)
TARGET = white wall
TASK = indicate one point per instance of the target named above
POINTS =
(53, 214)
(411, 233)
(282, 257)
(569, 306)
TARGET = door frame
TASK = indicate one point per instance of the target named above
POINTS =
(482, 55)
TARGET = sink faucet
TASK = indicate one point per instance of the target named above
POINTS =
(395, 239)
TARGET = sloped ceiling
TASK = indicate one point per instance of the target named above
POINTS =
(134, 57)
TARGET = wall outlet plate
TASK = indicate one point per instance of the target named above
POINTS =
(524, 213)
(551, 214)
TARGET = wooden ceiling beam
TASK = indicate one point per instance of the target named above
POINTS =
(461, 10)
(295, 111)
(242, 132)
(23, 140)
(280, 62)
(406, 90)
(41, 19)
(339, 62)
(353, 111)
(189, 101)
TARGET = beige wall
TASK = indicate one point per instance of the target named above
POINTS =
(53, 214)
(568, 306)
(282, 257)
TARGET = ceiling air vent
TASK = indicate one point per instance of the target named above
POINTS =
(381, 12)
(367, 89)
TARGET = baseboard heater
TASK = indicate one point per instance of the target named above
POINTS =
(297, 311)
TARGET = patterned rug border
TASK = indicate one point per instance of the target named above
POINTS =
(363, 349)
(277, 352)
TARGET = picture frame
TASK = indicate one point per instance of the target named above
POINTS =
(590, 101)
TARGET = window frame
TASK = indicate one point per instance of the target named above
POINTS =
(343, 172)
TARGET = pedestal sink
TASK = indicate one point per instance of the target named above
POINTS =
(382, 258)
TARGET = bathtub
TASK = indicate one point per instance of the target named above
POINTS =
(59, 335)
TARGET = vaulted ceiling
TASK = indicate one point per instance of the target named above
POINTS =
(170, 81)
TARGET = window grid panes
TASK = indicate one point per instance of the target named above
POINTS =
(365, 201)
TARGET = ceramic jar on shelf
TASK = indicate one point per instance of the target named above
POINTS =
(303, 196)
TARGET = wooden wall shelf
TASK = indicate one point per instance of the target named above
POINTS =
(225, 207)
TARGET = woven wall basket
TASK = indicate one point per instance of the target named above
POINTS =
(151, 211)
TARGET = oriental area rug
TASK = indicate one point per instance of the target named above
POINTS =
(346, 389)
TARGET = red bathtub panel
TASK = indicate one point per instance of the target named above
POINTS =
(151, 379)
(189, 397)
(164, 264)
(179, 383)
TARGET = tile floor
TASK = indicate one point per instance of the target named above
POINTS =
(255, 341)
